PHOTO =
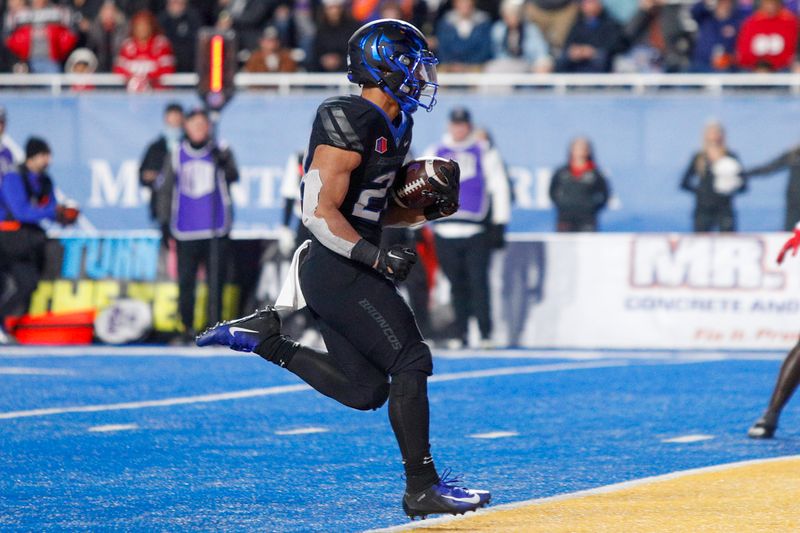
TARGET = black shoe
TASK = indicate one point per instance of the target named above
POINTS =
(444, 498)
(764, 427)
(243, 334)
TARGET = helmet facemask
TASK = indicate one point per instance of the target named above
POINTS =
(419, 86)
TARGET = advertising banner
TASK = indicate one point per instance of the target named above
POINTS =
(659, 291)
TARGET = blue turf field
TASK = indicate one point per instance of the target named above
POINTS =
(217, 465)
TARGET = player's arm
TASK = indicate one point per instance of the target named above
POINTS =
(325, 188)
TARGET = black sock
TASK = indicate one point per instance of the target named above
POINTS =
(278, 349)
(410, 419)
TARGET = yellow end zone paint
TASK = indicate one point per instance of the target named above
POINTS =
(761, 495)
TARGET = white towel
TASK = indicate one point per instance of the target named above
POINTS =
(291, 296)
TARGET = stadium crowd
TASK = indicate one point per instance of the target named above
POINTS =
(144, 39)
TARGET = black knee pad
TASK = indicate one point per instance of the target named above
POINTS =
(409, 385)
(415, 358)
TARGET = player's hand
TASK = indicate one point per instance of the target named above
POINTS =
(396, 262)
(445, 196)
(792, 244)
(67, 214)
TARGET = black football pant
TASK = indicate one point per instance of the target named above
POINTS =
(465, 262)
(191, 254)
(21, 263)
(371, 335)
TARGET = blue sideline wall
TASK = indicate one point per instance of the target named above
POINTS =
(643, 143)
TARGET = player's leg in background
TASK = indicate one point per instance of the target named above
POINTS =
(189, 254)
(477, 266)
(703, 220)
(214, 311)
(788, 379)
(726, 218)
(451, 254)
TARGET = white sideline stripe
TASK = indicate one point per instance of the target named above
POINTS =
(302, 431)
(205, 398)
(578, 355)
(285, 389)
(494, 435)
(588, 492)
(530, 369)
(34, 371)
(35, 352)
(685, 439)
(113, 427)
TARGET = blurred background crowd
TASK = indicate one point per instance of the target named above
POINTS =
(144, 39)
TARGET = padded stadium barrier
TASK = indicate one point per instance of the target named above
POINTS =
(589, 291)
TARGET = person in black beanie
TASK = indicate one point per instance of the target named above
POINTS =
(27, 198)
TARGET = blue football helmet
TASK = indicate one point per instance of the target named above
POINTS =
(394, 55)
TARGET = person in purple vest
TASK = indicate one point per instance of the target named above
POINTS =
(464, 241)
(202, 169)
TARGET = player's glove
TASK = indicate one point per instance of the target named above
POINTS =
(445, 196)
(792, 244)
(394, 262)
(67, 214)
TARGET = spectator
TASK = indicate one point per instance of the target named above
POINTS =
(201, 172)
(464, 241)
(27, 198)
(81, 61)
(368, 10)
(333, 31)
(247, 18)
(464, 35)
(768, 39)
(270, 56)
(593, 41)
(41, 36)
(579, 190)
(154, 163)
(146, 55)
(106, 35)
(181, 24)
(788, 160)
(517, 45)
(658, 38)
(555, 18)
(714, 176)
(10, 152)
(717, 26)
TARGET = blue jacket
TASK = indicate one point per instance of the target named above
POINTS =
(713, 33)
(26, 197)
(476, 48)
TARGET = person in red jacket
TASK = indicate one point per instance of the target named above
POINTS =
(41, 36)
(146, 55)
(767, 39)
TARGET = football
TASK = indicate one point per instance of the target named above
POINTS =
(415, 178)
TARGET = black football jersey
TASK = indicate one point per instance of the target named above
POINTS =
(356, 124)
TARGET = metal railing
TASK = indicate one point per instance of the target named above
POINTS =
(287, 83)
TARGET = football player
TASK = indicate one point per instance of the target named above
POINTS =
(789, 375)
(376, 351)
